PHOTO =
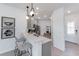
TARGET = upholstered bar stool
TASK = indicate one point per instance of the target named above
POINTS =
(22, 48)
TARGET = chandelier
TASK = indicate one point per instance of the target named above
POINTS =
(31, 13)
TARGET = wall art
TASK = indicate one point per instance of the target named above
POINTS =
(7, 27)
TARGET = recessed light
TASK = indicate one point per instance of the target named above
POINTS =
(37, 8)
(68, 11)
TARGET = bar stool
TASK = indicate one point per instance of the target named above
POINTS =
(22, 48)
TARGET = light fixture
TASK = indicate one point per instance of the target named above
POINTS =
(68, 11)
(37, 8)
(27, 16)
(31, 13)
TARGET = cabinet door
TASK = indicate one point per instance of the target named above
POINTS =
(46, 49)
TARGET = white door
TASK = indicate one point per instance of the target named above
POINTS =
(57, 29)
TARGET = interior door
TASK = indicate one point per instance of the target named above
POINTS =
(57, 29)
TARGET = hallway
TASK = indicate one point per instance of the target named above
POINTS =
(72, 49)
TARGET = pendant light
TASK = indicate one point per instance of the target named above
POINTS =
(32, 10)
(31, 13)
(27, 16)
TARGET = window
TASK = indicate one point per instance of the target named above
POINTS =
(70, 28)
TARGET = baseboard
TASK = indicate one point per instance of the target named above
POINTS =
(72, 42)
(2, 52)
(58, 49)
(57, 52)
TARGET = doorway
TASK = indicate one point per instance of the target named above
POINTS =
(65, 33)
(71, 35)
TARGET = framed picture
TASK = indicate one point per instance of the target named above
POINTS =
(7, 33)
(7, 27)
(8, 22)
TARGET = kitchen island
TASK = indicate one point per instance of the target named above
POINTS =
(41, 46)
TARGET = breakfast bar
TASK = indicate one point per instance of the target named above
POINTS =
(41, 46)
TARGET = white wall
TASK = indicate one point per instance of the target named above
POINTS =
(75, 18)
(57, 29)
(20, 25)
(43, 24)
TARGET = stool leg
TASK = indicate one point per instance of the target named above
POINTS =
(31, 51)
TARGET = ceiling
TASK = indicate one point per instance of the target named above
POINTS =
(46, 9)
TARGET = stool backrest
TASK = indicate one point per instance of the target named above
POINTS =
(20, 38)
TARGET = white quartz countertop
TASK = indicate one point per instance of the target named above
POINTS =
(36, 39)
